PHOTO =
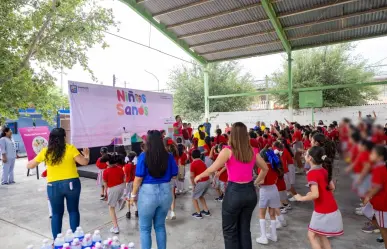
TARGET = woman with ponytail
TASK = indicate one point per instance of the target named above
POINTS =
(326, 218)
(62, 177)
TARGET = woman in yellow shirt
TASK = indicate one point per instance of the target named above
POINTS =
(62, 178)
(201, 135)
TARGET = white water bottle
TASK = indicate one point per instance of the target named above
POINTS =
(46, 245)
(76, 244)
(116, 243)
(79, 234)
(59, 241)
(87, 241)
(69, 236)
(66, 246)
(97, 237)
(97, 245)
(131, 245)
(30, 247)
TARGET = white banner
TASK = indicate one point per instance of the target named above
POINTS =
(101, 114)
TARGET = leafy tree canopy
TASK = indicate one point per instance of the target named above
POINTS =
(224, 78)
(45, 33)
(333, 65)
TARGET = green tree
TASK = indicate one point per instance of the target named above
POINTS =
(47, 34)
(224, 78)
(333, 65)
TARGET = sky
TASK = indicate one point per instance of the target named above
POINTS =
(129, 62)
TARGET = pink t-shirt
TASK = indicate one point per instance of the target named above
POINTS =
(238, 171)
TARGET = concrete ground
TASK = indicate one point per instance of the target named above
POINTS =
(24, 218)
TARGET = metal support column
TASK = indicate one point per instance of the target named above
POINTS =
(206, 92)
(290, 86)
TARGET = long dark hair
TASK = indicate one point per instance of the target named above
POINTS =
(3, 131)
(319, 157)
(240, 143)
(328, 145)
(207, 140)
(156, 155)
(56, 146)
(202, 134)
(287, 147)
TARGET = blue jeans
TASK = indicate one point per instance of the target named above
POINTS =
(59, 191)
(154, 201)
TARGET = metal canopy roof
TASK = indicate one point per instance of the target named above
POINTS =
(219, 30)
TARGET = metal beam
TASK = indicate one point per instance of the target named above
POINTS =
(180, 8)
(262, 20)
(206, 92)
(339, 18)
(223, 13)
(248, 94)
(162, 28)
(247, 56)
(305, 89)
(268, 7)
(318, 88)
(242, 47)
(296, 38)
(290, 86)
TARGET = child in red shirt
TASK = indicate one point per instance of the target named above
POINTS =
(269, 198)
(130, 172)
(326, 218)
(376, 198)
(201, 188)
(113, 178)
(221, 177)
(101, 167)
(181, 161)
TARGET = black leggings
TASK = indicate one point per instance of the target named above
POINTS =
(237, 208)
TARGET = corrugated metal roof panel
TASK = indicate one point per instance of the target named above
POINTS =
(253, 14)
(237, 43)
(230, 33)
(346, 35)
(163, 5)
(245, 52)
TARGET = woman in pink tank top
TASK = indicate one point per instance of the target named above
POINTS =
(240, 198)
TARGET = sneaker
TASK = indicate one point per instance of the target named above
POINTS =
(380, 239)
(136, 214)
(283, 210)
(262, 240)
(4, 183)
(102, 197)
(361, 204)
(370, 228)
(205, 213)
(173, 215)
(274, 239)
(219, 199)
(359, 212)
(288, 207)
(115, 230)
(292, 199)
(358, 209)
(197, 216)
(13, 182)
(128, 215)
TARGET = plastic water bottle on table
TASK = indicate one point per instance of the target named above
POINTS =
(97, 245)
(66, 246)
(76, 244)
(69, 236)
(79, 234)
(87, 242)
(97, 237)
(131, 245)
(59, 241)
(115, 243)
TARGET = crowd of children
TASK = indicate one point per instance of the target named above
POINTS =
(288, 148)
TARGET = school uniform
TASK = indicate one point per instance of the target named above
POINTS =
(281, 186)
(201, 188)
(114, 178)
(268, 192)
(378, 204)
(129, 171)
(101, 167)
(290, 170)
(326, 218)
(362, 188)
(221, 182)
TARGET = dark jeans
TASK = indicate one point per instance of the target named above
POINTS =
(59, 191)
(237, 208)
